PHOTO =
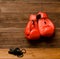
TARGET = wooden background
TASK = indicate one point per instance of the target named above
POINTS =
(14, 16)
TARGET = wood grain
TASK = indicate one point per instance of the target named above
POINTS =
(33, 53)
(12, 37)
(16, 19)
(14, 16)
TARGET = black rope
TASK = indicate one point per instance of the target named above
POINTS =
(16, 51)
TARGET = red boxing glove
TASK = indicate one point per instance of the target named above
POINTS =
(46, 27)
(31, 30)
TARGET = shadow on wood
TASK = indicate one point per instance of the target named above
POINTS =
(47, 40)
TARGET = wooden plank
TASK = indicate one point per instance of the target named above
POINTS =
(46, 7)
(12, 37)
(29, 1)
(33, 53)
(17, 7)
(17, 19)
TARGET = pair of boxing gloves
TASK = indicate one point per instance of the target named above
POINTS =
(39, 25)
